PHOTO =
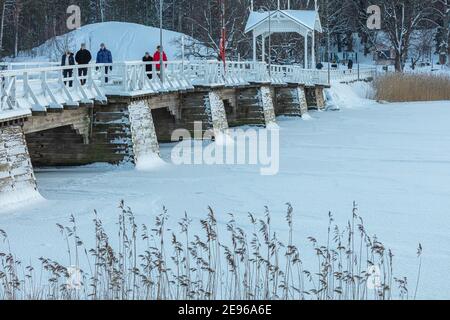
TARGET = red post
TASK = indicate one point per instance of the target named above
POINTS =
(223, 36)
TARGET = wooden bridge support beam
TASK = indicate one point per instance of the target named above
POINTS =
(247, 108)
(81, 136)
(183, 111)
(290, 101)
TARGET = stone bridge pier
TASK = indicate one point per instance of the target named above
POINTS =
(17, 181)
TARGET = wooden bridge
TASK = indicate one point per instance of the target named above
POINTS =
(120, 112)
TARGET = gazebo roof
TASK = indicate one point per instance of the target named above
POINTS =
(284, 21)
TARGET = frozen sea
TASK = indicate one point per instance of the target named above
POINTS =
(392, 159)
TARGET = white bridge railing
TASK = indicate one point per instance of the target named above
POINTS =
(37, 88)
(26, 65)
(358, 73)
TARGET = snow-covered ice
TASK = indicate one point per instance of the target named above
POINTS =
(393, 159)
(223, 138)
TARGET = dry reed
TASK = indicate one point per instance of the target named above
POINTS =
(143, 264)
(408, 87)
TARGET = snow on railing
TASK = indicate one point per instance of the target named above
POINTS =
(361, 73)
(37, 88)
(294, 74)
(26, 65)
(52, 87)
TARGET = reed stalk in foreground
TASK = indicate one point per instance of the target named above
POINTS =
(223, 262)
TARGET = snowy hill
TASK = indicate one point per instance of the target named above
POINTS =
(127, 41)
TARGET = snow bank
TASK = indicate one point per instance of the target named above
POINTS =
(19, 198)
(272, 126)
(150, 162)
(127, 42)
(349, 95)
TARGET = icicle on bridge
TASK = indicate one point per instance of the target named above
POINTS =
(122, 111)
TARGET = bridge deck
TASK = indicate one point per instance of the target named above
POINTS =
(47, 89)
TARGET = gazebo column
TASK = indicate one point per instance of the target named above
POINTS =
(306, 50)
(313, 50)
(254, 46)
(263, 54)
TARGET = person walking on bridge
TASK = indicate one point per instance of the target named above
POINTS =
(68, 60)
(148, 67)
(83, 57)
(104, 56)
(350, 64)
(157, 57)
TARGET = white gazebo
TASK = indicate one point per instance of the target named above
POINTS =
(304, 22)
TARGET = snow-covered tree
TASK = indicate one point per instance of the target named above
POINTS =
(421, 47)
(28, 23)
(400, 19)
(6, 6)
(443, 35)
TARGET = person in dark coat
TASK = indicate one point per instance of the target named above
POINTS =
(68, 60)
(83, 57)
(350, 64)
(148, 67)
(334, 64)
(105, 56)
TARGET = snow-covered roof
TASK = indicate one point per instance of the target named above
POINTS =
(303, 19)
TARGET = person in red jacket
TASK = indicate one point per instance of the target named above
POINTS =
(157, 57)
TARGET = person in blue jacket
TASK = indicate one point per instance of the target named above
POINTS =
(105, 56)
